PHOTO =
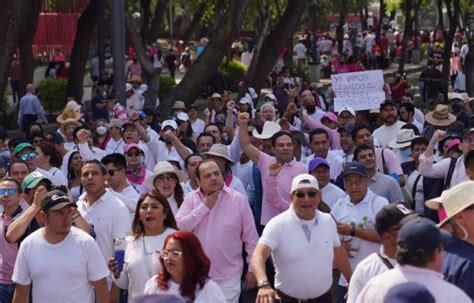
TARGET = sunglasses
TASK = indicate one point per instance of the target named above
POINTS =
(111, 172)
(168, 177)
(7, 191)
(133, 154)
(302, 194)
(166, 254)
(28, 156)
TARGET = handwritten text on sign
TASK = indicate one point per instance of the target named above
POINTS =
(360, 90)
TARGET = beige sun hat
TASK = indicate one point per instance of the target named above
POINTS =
(269, 129)
(454, 200)
(440, 116)
(404, 138)
(219, 150)
(69, 115)
(163, 167)
(179, 105)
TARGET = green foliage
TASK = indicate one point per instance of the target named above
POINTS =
(167, 83)
(53, 93)
(233, 71)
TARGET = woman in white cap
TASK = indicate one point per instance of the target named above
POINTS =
(166, 180)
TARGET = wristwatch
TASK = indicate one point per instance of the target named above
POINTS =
(262, 283)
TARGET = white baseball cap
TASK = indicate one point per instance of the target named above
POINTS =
(171, 123)
(304, 181)
(346, 109)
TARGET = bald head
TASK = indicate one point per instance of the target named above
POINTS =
(30, 88)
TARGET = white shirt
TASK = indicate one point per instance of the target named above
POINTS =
(300, 50)
(60, 272)
(369, 42)
(110, 218)
(377, 288)
(173, 204)
(244, 173)
(129, 197)
(55, 175)
(211, 292)
(332, 193)
(198, 126)
(367, 269)
(419, 116)
(385, 134)
(141, 262)
(115, 146)
(363, 215)
(297, 259)
(86, 154)
(335, 162)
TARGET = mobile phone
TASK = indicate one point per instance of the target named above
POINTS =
(119, 252)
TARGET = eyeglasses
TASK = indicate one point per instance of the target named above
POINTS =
(7, 191)
(166, 254)
(302, 194)
(111, 172)
(349, 183)
(168, 177)
(28, 156)
(133, 154)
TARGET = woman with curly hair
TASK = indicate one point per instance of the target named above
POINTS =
(185, 271)
(166, 180)
(48, 161)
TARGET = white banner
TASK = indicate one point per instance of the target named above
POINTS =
(359, 90)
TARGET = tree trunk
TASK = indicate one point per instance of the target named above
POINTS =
(80, 51)
(149, 73)
(407, 33)
(340, 26)
(363, 19)
(194, 22)
(145, 26)
(469, 70)
(12, 12)
(453, 13)
(25, 44)
(276, 41)
(156, 24)
(263, 31)
(207, 63)
(381, 16)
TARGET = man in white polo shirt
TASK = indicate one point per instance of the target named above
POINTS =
(304, 244)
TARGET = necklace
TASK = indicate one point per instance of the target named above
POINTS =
(146, 254)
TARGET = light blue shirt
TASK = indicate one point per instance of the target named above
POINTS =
(30, 105)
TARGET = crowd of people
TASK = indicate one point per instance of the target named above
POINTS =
(237, 202)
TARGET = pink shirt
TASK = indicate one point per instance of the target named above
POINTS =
(8, 251)
(286, 175)
(333, 134)
(221, 230)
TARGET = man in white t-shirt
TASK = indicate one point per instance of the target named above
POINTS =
(108, 217)
(391, 127)
(304, 244)
(387, 223)
(320, 169)
(62, 262)
(355, 216)
(319, 143)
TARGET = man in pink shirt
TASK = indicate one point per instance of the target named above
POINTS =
(283, 149)
(222, 220)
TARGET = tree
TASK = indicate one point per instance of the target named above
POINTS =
(25, 43)
(196, 19)
(453, 11)
(275, 42)
(408, 8)
(344, 5)
(12, 12)
(80, 51)
(207, 63)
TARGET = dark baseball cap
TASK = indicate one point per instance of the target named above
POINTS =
(386, 103)
(55, 200)
(423, 234)
(391, 215)
(409, 292)
(355, 168)
(348, 129)
(313, 164)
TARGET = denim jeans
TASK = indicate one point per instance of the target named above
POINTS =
(6, 293)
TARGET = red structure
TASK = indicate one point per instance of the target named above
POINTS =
(57, 28)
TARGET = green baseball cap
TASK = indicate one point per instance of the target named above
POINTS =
(32, 180)
(22, 146)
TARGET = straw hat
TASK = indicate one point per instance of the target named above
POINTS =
(136, 78)
(404, 138)
(454, 200)
(179, 105)
(219, 150)
(163, 167)
(440, 116)
(69, 115)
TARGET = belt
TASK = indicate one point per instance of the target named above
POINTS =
(289, 299)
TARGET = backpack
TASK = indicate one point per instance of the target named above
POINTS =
(433, 187)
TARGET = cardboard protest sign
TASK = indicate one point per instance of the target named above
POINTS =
(359, 90)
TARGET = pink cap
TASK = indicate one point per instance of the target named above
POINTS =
(330, 116)
(453, 143)
(132, 145)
